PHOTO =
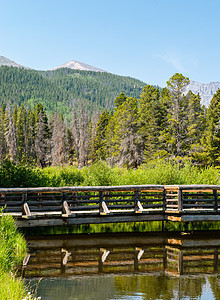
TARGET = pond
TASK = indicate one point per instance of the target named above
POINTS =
(124, 266)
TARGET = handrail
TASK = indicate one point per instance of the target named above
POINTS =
(110, 200)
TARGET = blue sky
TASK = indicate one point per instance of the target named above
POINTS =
(149, 40)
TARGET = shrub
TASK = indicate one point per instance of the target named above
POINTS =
(12, 175)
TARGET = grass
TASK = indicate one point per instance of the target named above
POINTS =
(12, 251)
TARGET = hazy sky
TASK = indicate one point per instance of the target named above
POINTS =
(146, 39)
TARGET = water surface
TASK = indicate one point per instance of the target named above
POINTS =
(125, 266)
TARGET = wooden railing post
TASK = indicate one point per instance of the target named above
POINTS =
(180, 200)
(65, 207)
(180, 262)
(25, 208)
(138, 208)
(215, 194)
(164, 200)
(138, 252)
(103, 209)
(103, 254)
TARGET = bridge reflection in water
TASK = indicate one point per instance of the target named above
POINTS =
(72, 255)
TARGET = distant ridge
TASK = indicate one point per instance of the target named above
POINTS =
(4, 61)
(76, 65)
(206, 91)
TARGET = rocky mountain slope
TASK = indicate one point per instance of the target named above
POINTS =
(76, 65)
(206, 91)
(4, 61)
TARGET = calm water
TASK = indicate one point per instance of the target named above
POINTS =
(125, 266)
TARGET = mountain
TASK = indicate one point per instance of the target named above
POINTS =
(76, 65)
(206, 91)
(61, 89)
(4, 61)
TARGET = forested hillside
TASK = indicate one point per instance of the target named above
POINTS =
(61, 89)
(160, 124)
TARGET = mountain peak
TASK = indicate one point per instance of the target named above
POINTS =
(205, 90)
(76, 65)
(4, 61)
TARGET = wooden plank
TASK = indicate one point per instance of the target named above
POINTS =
(119, 200)
(78, 201)
(152, 205)
(197, 200)
(57, 221)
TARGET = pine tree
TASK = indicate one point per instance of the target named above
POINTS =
(2, 133)
(211, 140)
(151, 121)
(123, 143)
(177, 117)
(97, 137)
(195, 124)
(41, 136)
(22, 134)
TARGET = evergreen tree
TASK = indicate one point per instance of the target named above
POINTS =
(122, 137)
(41, 136)
(177, 117)
(151, 111)
(31, 136)
(195, 124)
(211, 141)
(22, 134)
(98, 139)
(2, 133)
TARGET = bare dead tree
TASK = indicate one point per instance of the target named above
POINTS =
(80, 126)
(11, 139)
(58, 142)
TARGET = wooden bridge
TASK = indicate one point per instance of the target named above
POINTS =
(46, 206)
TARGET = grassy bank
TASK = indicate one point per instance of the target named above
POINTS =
(12, 251)
(101, 174)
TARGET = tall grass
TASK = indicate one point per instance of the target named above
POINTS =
(12, 251)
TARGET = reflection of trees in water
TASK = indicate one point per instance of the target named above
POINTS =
(151, 286)
(191, 286)
(79, 288)
(160, 286)
(215, 285)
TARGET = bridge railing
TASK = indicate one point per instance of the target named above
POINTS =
(191, 198)
(73, 201)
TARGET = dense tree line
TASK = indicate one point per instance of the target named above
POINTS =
(162, 123)
(61, 89)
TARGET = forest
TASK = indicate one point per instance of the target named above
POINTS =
(59, 90)
(162, 124)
